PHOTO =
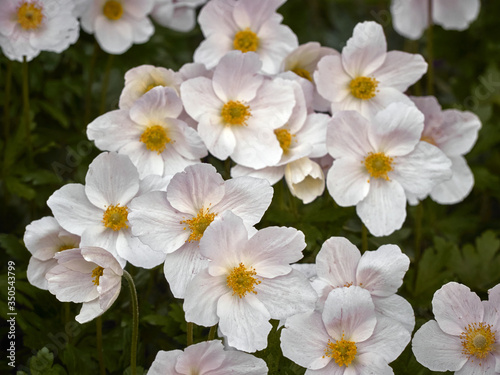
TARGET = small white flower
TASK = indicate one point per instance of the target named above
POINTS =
(366, 78)
(465, 336)
(248, 281)
(208, 357)
(178, 15)
(44, 238)
(88, 274)
(305, 179)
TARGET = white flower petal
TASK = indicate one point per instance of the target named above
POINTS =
(458, 187)
(347, 135)
(455, 14)
(89, 311)
(410, 17)
(337, 262)
(205, 356)
(37, 269)
(348, 181)
(165, 362)
(397, 308)
(401, 70)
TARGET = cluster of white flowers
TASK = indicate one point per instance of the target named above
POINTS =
(276, 109)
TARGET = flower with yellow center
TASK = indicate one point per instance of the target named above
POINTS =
(30, 15)
(246, 41)
(378, 165)
(284, 138)
(96, 274)
(303, 73)
(155, 138)
(115, 217)
(235, 113)
(342, 351)
(242, 280)
(113, 10)
(478, 340)
(197, 225)
(363, 87)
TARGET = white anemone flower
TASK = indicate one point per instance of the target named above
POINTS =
(239, 109)
(118, 24)
(208, 357)
(411, 17)
(98, 211)
(88, 274)
(376, 162)
(454, 132)
(365, 77)
(178, 15)
(305, 179)
(465, 335)
(248, 281)
(44, 238)
(150, 134)
(247, 26)
(142, 79)
(346, 338)
(175, 221)
(30, 26)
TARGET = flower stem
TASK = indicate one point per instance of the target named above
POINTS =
(105, 82)
(364, 238)
(135, 325)
(211, 334)
(430, 53)
(26, 109)
(98, 323)
(189, 333)
(419, 215)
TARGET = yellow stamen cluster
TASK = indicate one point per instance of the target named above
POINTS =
(235, 112)
(342, 351)
(115, 217)
(29, 15)
(284, 138)
(96, 274)
(364, 87)
(66, 247)
(151, 87)
(242, 280)
(198, 224)
(478, 340)
(303, 73)
(378, 165)
(155, 138)
(113, 10)
(428, 139)
(246, 41)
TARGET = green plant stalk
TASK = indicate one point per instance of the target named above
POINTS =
(105, 82)
(135, 324)
(419, 216)
(212, 332)
(189, 333)
(100, 356)
(430, 53)
(26, 108)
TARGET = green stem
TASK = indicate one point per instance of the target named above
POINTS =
(6, 105)
(364, 238)
(88, 89)
(26, 108)
(419, 216)
(105, 82)
(135, 326)
(211, 334)
(189, 333)
(430, 53)
(100, 356)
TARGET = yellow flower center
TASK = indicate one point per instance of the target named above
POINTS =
(246, 41)
(242, 280)
(478, 340)
(113, 10)
(284, 138)
(115, 217)
(303, 73)
(235, 112)
(342, 351)
(66, 247)
(96, 274)
(151, 87)
(378, 165)
(155, 138)
(364, 87)
(198, 224)
(29, 15)
(428, 139)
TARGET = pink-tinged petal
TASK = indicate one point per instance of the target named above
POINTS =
(104, 238)
(459, 132)
(156, 105)
(348, 182)
(212, 50)
(114, 37)
(239, 363)
(455, 306)
(385, 96)
(287, 295)
(89, 311)
(186, 140)
(349, 312)
(474, 367)
(381, 271)
(112, 179)
(330, 369)
(422, 169)
(384, 209)
(436, 350)
(218, 138)
(314, 132)
(235, 77)
(305, 339)
(256, 148)
(252, 14)
(332, 81)
(199, 98)
(183, 20)
(138, 9)
(337, 262)
(113, 130)
(109, 289)
(365, 51)
(401, 70)
(276, 41)
(157, 223)
(102, 258)
(153, 183)
(199, 186)
(396, 308)
(147, 162)
(165, 362)
(246, 197)
(72, 209)
(455, 14)
(215, 17)
(410, 17)
(458, 186)
(71, 286)
(245, 322)
(388, 340)
(202, 295)
(8, 17)
(347, 135)
(37, 269)
(137, 253)
(271, 174)
(205, 356)
(431, 109)
(182, 266)
(369, 363)
(174, 163)
(142, 29)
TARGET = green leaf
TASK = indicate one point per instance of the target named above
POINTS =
(16, 187)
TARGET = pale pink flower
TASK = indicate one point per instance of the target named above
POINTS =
(178, 15)
(365, 77)
(465, 335)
